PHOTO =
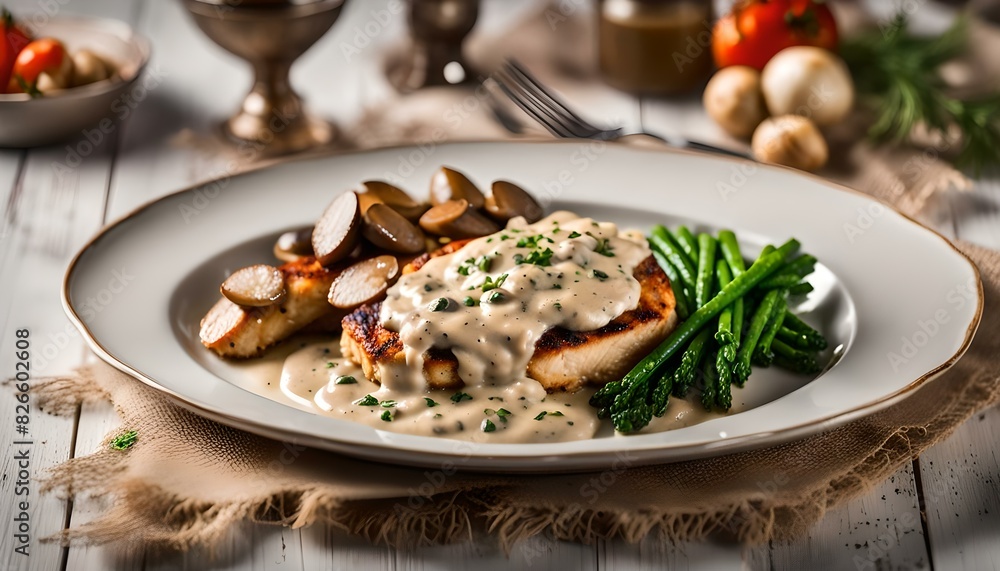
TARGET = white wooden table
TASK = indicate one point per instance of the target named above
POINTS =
(940, 511)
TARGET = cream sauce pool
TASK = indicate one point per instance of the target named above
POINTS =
(562, 271)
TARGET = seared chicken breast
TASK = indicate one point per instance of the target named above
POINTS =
(563, 360)
(236, 331)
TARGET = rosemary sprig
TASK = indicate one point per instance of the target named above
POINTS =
(900, 74)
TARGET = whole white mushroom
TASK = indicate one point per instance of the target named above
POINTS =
(808, 81)
(790, 140)
(733, 99)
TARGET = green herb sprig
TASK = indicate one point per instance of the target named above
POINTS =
(899, 74)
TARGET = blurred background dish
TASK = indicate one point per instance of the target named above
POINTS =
(65, 114)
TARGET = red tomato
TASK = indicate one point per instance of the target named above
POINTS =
(757, 29)
(46, 55)
(12, 41)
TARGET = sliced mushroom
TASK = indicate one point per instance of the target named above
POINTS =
(364, 282)
(255, 286)
(379, 192)
(449, 184)
(337, 232)
(508, 200)
(386, 228)
(457, 219)
(291, 246)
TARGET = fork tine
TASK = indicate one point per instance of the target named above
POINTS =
(529, 105)
(550, 100)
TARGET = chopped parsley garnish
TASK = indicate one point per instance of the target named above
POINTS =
(330, 364)
(489, 411)
(388, 403)
(556, 413)
(468, 301)
(491, 284)
(460, 396)
(125, 440)
(600, 275)
(488, 426)
(558, 306)
(484, 263)
(438, 415)
(494, 297)
(345, 380)
(387, 416)
(503, 413)
(534, 241)
(367, 400)
(538, 258)
(440, 304)
(604, 248)
(575, 234)
(430, 402)
(427, 287)
(541, 415)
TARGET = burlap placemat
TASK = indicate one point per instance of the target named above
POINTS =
(187, 480)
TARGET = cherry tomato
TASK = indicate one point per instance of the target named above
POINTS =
(46, 55)
(12, 40)
(755, 30)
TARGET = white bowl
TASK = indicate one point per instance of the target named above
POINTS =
(63, 115)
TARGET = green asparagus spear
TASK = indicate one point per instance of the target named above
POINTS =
(816, 339)
(799, 267)
(661, 394)
(660, 239)
(801, 340)
(731, 252)
(780, 282)
(794, 359)
(690, 360)
(763, 267)
(710, 382)
(724, 382)
(706, 269)
(683, 310)
(687, 242)
(724, 335)
(757, 324)
(762, 354)
(801, 288)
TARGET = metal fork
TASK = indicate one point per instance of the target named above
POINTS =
(546, 108)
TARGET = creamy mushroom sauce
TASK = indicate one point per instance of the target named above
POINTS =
(562, 271)
(491, 301)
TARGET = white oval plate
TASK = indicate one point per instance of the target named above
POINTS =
(897, 300)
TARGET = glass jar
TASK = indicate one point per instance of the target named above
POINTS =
(651, 47)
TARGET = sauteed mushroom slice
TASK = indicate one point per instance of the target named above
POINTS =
(294, 245)
(386, 228)
(255, 286)
(457, 219)
(449, 184)
(337, 232)
(364, 282)
(508, 200)
(380, 192)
